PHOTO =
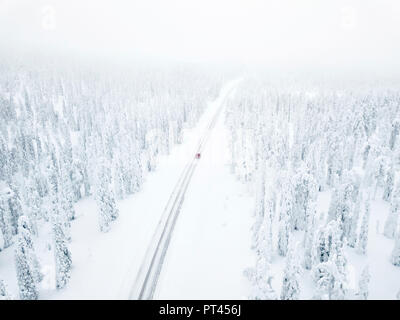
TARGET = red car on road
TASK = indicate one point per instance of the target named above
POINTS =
(197, 155)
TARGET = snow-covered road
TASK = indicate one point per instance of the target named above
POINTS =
(214, 225)
(148, 275)
(211, 243)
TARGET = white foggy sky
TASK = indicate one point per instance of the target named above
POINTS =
(336, 32)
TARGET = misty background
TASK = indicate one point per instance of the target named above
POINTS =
(286, 33)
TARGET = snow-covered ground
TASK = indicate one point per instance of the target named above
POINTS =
(210, 247)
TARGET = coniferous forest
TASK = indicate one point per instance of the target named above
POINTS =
(205, 150)
(71, 134)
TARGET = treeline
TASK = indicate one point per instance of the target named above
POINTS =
(290, 142)
(69, 133)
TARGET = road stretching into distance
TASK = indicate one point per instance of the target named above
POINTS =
(150, 269)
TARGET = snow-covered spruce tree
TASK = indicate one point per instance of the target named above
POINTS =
(290, 286)
(324, 278)
(5, 216)
(346, 207)
(10, 209)
(330, 283)
(286, 208)
(32, 204)
(64, 214)
(67, 191)
(264, 245)
(260, 279)
(327, 241)
(341, 206)
(394, 134)
(14, 203)
(334, 204)
(334, 161)
(389, 183)
(381, 164)
(305, 191)
(1, 240)
(4, 294)
(395, 258)
(119, 176)
(341, 286)
(62, 256)
(105, 200)
(363, 284)
(259, 211)
(393, 217)
(352, 240)
(309, 242)
(283, 235)
(25, 232)
(25, 274)
(330, 272)
(363, 236)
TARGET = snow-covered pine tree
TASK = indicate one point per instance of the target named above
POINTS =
(62, 256)
(264, 245)
(10, 207)
(381, 164)
(341, 207)
(285, 218)
(394, 134)
(67, 192)
(352, 240)
(395, 258)
(324, 278)
(290, 286)
(344, 214)
(305, 191)
(330, 282)
(363, 236)
(327, 241)
(5, 216)
(15, 206)
(4, 294)
(363, 284)
(1, 240)
(25, 232)
(105, 200)
(309, 242)
(261, 281)
(32, 204)
(334, 204)
(339, 288)
(389, 183)
(259, 211)
(283, 235)
(393, 217)
(341, 281)
(25, 274)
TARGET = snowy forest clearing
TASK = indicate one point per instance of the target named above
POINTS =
(211, 243)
